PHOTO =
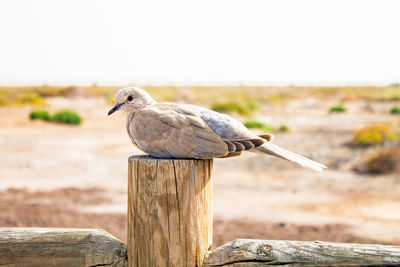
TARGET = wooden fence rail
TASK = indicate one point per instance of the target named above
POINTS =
(247, 252)
(170, 224)
(60, 247)
(25, 247)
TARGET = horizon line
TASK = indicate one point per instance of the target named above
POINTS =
(208, 84)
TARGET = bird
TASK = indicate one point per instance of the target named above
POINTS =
(184, 131)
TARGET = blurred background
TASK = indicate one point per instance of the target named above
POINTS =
(322, 76)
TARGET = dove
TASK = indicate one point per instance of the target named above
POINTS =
(170, 130)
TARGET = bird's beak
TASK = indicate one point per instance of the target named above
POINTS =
(115, 108)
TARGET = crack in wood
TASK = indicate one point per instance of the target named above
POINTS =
(177, 199)
(168, 222)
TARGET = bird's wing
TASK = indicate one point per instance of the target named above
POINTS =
(232, 132)
(180, 131)
(170, 130)
(269, 137)
(225, 126)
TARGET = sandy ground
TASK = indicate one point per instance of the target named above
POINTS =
(66, 176)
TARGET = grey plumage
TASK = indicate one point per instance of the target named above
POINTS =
(168, 130)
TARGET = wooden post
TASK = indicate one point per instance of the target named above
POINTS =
(169, 211)
(32, 247)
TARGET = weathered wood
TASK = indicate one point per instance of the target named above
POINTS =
(169, 211)
(247, 252)
(60, 247)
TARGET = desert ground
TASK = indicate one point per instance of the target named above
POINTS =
(54, 175)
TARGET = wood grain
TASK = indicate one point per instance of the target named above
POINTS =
(169, 211)
(247, 252)
(60, 247)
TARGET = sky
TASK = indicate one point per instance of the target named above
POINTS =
(205, 41)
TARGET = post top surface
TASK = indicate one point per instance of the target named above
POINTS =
(150, 158)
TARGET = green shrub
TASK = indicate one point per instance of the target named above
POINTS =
(30, 98)
(338, 108)
(395, 110)
(39, 114)
(283, 128)
(242, 108)
(253, 105)
(66, 116)
(375, 134)
(259, 125)
(252, 124)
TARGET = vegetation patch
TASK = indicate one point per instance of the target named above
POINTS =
(66, 116)
(3, 101)
(338, 108)
(30, 98)
(243, 108)
(280, 97)
(39, 114)
(383, 161)
(395, 110)
(62, 116)
(283, 128)
(375, 134)
(111, 99)
(252, 124)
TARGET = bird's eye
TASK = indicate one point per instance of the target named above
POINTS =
(129, 98)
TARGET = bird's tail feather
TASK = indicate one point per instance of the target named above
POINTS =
(282, 153)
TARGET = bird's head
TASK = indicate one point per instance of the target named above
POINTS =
(131, 99)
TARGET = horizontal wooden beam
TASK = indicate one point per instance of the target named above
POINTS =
(60, 247)
(247, 252)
